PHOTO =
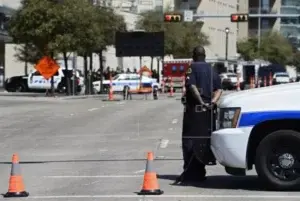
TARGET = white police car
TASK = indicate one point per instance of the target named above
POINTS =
(123, 80)
(36, 82)
(260, 127)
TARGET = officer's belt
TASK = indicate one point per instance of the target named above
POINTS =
(198, 108)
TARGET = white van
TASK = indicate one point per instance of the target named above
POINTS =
(261, 127)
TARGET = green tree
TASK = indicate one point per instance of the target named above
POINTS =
(180, 38)
(109, 23)
(274, 48)
(34, 24)
(248, 48)
(295, 60)
(73, 15)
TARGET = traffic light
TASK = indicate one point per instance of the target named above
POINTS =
(173, 18)
(239, 17)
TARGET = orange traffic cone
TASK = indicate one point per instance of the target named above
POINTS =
(150, 185)
(111, 92)
(270, 80)
(16, 186)
(171, 88)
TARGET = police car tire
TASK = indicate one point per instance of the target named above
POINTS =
(20, 88)
(261, 166)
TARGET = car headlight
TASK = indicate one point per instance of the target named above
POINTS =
(228, 117)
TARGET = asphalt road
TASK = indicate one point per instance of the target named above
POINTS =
(87, 149)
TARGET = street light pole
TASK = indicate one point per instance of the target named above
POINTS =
(226, 47)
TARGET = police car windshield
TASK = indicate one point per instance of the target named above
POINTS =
(116, 77)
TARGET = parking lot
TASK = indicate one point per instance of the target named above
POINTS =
(88, 149)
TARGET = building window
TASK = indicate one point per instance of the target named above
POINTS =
(265, 24)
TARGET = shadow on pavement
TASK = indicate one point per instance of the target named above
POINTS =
(228, 182)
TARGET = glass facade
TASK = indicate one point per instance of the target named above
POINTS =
(290, 27)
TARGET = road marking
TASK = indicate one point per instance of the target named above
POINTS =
(139, 171)
(170, 129)
(170, 196)
(175, 121)
(160, 157)
(90, 135)
(92, 176)
(93, 109)
(163, 143)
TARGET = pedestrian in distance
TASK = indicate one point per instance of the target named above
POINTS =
(203, 90)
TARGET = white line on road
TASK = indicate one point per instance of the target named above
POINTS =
(163, 143)
(170, 196)
(139, 171)
(93, 109)
(175, 121)
(92, 176)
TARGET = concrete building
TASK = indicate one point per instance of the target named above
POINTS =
(267, 24)
(290, 27)
(242, 28)
(213, 27)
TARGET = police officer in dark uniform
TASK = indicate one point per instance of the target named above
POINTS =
(203, 90)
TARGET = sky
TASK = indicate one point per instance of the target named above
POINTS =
(10, 3)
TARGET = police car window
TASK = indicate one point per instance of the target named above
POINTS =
(126, 78)
(36, 73)
(135, 78)
(116, 77)
(122, 78)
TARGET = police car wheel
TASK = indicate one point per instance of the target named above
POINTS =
(278, 160)
(20, 88)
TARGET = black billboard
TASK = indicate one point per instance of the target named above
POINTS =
(132, 44)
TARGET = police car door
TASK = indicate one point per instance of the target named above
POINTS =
(118, 85)
(56, 79)
(35, 80)
(134, 81)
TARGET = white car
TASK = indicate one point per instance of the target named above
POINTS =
(130, 80)
(281, 78)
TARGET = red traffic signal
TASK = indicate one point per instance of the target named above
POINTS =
(239, 17)
(172, 18)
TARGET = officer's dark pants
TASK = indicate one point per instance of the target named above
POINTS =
(197, 129)
(194, 168)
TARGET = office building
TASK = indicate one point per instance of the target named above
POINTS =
(267, 24)
(290, 27)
